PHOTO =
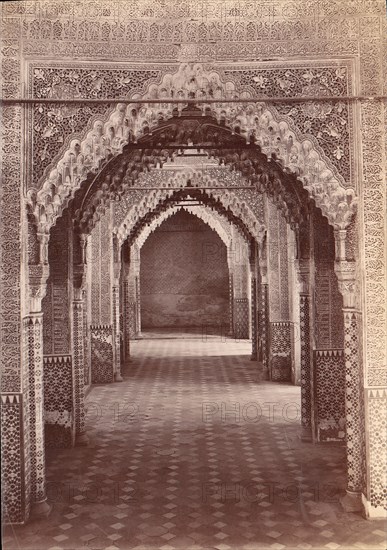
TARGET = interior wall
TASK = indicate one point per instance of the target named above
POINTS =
(184, 275)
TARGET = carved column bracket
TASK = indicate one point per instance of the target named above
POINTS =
(79, 278)
(303, 276)
(37, 282)
(345, 272)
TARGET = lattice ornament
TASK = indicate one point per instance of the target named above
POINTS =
(58, 400)
(102, 370)
(330, 384)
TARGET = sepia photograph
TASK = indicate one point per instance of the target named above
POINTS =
(193, 274)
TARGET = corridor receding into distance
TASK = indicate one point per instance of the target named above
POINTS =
(193, 452)
(193, 312)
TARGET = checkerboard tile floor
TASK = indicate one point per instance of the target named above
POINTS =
(193, 452)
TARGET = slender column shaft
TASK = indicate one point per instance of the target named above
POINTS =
(79, 371)
(33, 325)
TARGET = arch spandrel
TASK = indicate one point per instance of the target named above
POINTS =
(254, 122)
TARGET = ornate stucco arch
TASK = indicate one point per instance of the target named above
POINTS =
(200, 212)
(254, 122)
(223, 199)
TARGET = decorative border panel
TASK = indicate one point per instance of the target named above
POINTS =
(263, 327)
(306, 366)
(241, 319)
(58, 401)
(280, 352)
(377, 430)
(330, 394)
(12, 466)
(102, 369)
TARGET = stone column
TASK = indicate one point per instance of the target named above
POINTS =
(354, 402)
(303, 274)
(231, 303)
(263, 324)
(79, 358)
(138, 306)
(116, 309)
(33, 334)
(126, 306)
(78, 339)
(281, 328)
(254, 319)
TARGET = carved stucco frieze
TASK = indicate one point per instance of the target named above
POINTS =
(302, 268)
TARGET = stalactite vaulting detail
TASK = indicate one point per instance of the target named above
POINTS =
(223, 203)
(202, 213)
(254, 124)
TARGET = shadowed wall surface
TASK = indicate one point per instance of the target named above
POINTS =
(184, 275)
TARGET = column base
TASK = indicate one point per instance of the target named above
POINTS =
(373, 512)
(40, 510)
(253, 357)
(118, 377)
(352, 502)
(81, 440)
(306, 434)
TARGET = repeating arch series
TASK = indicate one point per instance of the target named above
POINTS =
(200, 212)
(228, 199)
(254, 122)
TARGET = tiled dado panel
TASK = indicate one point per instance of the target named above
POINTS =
(263, 327)
(13, 508)
(329, 368)
(241, 318)
(102, 370)
(280, 351)
(131, 318)
(58, 401)
(376, 405)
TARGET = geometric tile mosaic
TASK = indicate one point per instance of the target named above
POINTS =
(101, 354)
(281, 361)
(58, 400)
(241, 318)
(11, 423)
(330, 389)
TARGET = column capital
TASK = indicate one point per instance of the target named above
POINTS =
(116, 273)
(37, 283)
(303, 273)
(340, 237)
(43, 239)
(83, 241)
(346, 277)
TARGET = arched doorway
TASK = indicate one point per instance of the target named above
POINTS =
(184, 278)
(191, 127)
